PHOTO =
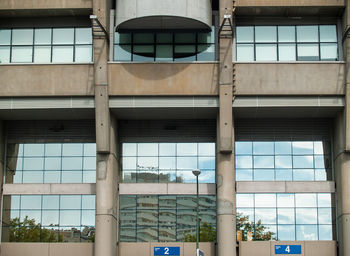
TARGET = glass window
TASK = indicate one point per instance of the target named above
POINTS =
(83, 53)
(5, 36)
(63, 36)
(42, 54)
(22, 37)
(4, 54)
(83, 36)
(42, 36)
(22, 54)
(287, 43)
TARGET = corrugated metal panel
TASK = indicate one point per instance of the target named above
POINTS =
(50, 131)
(283, 129)
(167, 130)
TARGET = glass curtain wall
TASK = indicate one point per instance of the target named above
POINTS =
(168, 162)
(51, 163)
(48, 218)
(287, 43)
(45, 45)
(164, 46)
(164, 218)
(299, 216)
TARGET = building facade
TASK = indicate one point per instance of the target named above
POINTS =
(107, 106)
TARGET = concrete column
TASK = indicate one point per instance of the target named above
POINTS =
(226, 204)
(106, 236)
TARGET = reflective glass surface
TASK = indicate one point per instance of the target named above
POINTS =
(168, 162)
(45, 45)
(49, 218)
(287, 43)
(51, 163)
(155, 218)
(283, 160)
(288, 216)
(158, 47)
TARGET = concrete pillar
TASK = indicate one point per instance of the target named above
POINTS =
(226, 204)
(225, 176)
(106, 236)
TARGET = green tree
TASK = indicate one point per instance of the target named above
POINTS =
(207, 234)
(29, 231)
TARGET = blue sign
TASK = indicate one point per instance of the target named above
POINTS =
(287, 249)
(163, 251)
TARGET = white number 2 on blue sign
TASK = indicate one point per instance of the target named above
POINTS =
(166, 250)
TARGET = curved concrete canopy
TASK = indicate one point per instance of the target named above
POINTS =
(163, 14)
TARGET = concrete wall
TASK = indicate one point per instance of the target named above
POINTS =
(47, 249)
(146, 249)
(289, 78)
(46, 80)
(44, 4)
(267, 248)
(149, 13)
(163, 79)
(242, 3)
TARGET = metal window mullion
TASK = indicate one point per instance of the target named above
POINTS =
(74, 37)
(33, 48)
(296, 43)
(254, 44)
(11, 35)
(277, 52)
(81, 214)
(52, 46)
(61, 169)
(319, 42)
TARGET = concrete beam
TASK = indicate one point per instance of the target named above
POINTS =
(165, 189)
(50, 189)
(285, 186)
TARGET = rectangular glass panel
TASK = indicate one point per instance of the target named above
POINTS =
(22, 54)
(329, 51)
(83, 53)
(63, 36)
(5, 36)
(62, 54)
(328, 33)
(147, 149)
(285, 216)
(264, 174)
(206, 149)
(303, 162)
(283, 161)
(308, 52)
(72, 176)
(244, 174)
(122, 38)
(243, 148)
(245, 34)
(265, 34)
(307, 33)
(33, 177)
(263, 162)
(50, 202)
(286, 232)
(305, 200)
(284, 174)
(265, 215)
(185, 38)
(265, 200)
(42, 54)
(4, 54)
(164, 53)
(122, 52)
(325, 232)
(164, 38)
(286, 34)
(42, 36)
(167, 149)
(285, 200)
(206, 37)
(143, 38)
(263, 148)
(286, 52)
(206, 52)
(72, 149)
(22, 36)
(72, 163)
(70, 202)
(266, 52)
(185, 52)
(143, 53)
(30, 202)
(83, 36)
(52, 177)
(69, 218)
(244, 162)
(306, 215)
(245, 200)
(245, 52)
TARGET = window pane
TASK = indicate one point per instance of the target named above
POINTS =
(243, 148)
(63, 36)
(206, 149)
(142, 38)
(284, 174)
(266, 52)
(245, 52)
(164, 53)
(42, 36)
(83, 36)
(325, 215)
(285, 216)
(286, 52)
(328, 33)
(265, 200)
(283, 148)
(263, 148)
(324, 200)
(307, 33)
(329, 51)
(22, 54)
(70, 202)
(4, 54)
(283, 161)
(72, 177)
(62, 54)
(244, 162)
(265, 215)
(263, 162)
(325, 232)
(185, 52)
(286, 34)
(122, 38)
(305, 200)
(5, 36)
(302, 147)
(206, 52)
(303, 174)
(129, 149)
(122, 52)
(308, 52)
(285, 200)
(306, 215)
(303, 162)
(206, 37)
(52, 149)
(264, 174)
(265, 34)
(143, 53)
(147, 149)
(22, 36)
(42, 54)
(164, 38)
(244, 174)
(245, 34)
(245, 200)
(286, 232)
(186, 149)
(83, 53)
(50, 202)
(70, 218)
(72, 149)
(30, 202)
(185, 37)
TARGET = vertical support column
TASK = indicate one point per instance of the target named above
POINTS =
(106, 237)
(225, 178)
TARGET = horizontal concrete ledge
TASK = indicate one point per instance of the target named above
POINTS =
(288, 62)
(47, 249)
(163, 102)
(285, 186)
(47, 103)
(50, 189)
(299, 101)
(165, 189)
(46, 63)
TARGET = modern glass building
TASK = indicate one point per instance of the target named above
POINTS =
(107, 107)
